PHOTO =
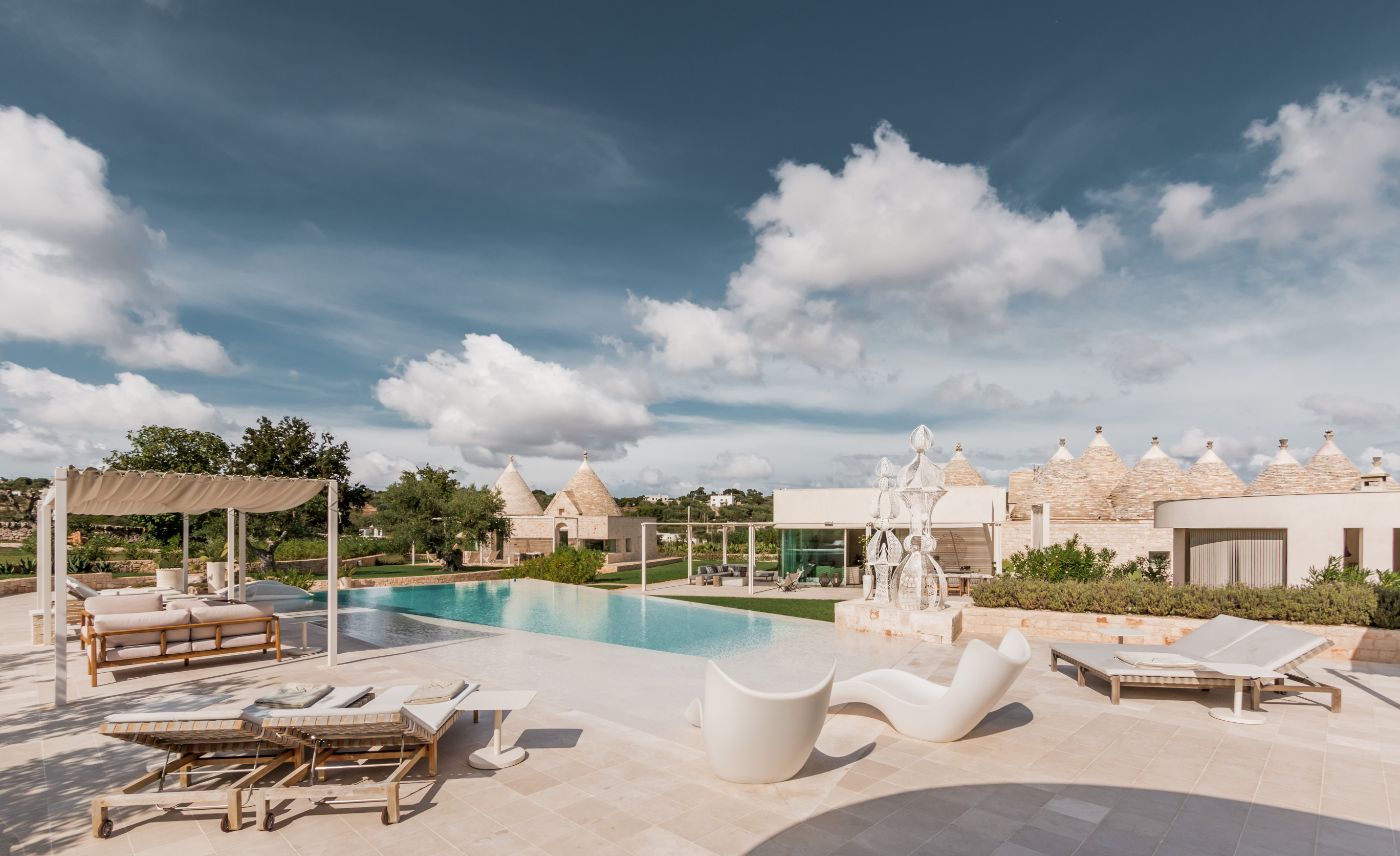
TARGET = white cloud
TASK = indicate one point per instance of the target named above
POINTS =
(1135, 358)
(493, 400)
(1390, 461)
(967, 391)
(24, 442)
(650, 476)
(52, 400)
(688, 337)
(1352, 410)
(1330, 181)
(74, 259)
(890, 225)
(731, 468)
(378, 470)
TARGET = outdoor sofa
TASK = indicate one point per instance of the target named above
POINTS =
(140, 629)
(1223, 639)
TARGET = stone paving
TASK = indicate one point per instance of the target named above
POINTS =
(1055, 771)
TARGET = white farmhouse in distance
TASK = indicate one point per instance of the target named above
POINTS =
(720, 500)
(658, 498)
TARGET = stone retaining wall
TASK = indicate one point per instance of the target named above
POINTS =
(865, 616)
(1349, 642)
(435, 579)
(29, 585)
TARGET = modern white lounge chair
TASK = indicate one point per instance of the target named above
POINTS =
(755, 737)
(928, 711)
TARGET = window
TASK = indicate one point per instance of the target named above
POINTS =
(627, 545)
(1218, 557)
(1351, 548)
(812, 551)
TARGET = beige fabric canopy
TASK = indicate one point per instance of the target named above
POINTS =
(93, 491)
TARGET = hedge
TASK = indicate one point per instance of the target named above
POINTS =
(565, 565)
(1329, 603)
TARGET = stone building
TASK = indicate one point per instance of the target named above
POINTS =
(583, 513)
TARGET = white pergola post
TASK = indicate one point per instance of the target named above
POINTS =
(689, 552)
(43, 549)
(724, 545)
(644, 558)
(751, 558)
(332, 572)
(243, 556)
(996, 548)
(184, 553)
(60, 586)
(230, 560)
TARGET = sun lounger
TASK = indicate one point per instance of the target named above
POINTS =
(1224, 639)
(384, 729)
(927, 711)
(227, 740)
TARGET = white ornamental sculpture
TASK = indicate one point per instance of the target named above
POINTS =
(920, 488)
(883, 550)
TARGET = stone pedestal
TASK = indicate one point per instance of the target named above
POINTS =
(931, 626)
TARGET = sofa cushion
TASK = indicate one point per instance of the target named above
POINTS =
(138, 652)
(138, 620)
(122, 603)
(231, 612)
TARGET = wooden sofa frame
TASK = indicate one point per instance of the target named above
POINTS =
(97, 643)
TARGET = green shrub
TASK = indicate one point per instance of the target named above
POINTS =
(1155, 569)
(1335, 572)
(565, 565)
(300, 579)
(1324, 603)
(351, 547)
(1071, 560)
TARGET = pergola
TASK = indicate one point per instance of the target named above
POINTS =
(93, 491)
(690, 528)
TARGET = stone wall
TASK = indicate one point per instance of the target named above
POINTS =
(433, 580)
(1128, 538)
(29, 585)
(863, 616)
(1349, 642)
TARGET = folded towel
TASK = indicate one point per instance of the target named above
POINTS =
(435, 692)
(1153, 660)
(294, 695)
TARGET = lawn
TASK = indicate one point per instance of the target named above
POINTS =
(817, 610)
(669, 569)
(410, 570)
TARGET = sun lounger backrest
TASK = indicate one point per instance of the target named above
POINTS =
(81, 590)
(1271, 646)
(426, 719)
(1215, 635)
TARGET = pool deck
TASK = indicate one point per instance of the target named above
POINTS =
(1055, 771)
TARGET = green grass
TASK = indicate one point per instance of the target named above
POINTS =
(817, 610)
(14, 554)
(605, 586)
(668, 570)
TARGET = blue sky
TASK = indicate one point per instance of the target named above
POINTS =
(450, 232)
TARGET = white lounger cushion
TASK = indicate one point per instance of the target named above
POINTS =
(1223, 639)
(927, 711)
(430, 717)
(338, 697)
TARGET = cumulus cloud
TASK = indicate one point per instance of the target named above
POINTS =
(731, 468)
(890, 224)
(24, 442)
(967, 392)
(492, 400)
(56, 401)
(377, 470)
(688, 337)
(1352, 410)
(74, 259)
(1134, 358)
(1332, 178)
(651, 477)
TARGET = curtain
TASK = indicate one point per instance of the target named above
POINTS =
(1254, 557)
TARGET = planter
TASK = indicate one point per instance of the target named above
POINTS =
(217, 574)
(169, 578)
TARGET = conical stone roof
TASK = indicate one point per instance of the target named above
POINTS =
(1331, 470)
(1066, 486)
(589, 494)
(1282, 475)
(1211, 476)
(1102, 464)
(1155, 477)
(961, 473)
(1377, 478)
(519, 501)
(1018, 485)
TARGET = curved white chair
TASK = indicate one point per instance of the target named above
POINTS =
(928, 711)
(755, 737)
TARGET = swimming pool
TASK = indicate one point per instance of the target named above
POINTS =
(582, 613)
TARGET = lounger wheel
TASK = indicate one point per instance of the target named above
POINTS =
(269, 822)
(224, 825)
(104, 829)
(384, 817)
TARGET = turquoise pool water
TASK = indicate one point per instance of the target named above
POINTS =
(580, 613)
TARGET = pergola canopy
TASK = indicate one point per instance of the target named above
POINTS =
(94, 491)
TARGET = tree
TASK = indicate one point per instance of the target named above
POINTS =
(20, 495)
(431, 509)
(291, 449)
(162, 449)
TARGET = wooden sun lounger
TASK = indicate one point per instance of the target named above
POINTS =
(221, 741)
(384, 730)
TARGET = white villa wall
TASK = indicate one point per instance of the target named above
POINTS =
(1314, 522)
